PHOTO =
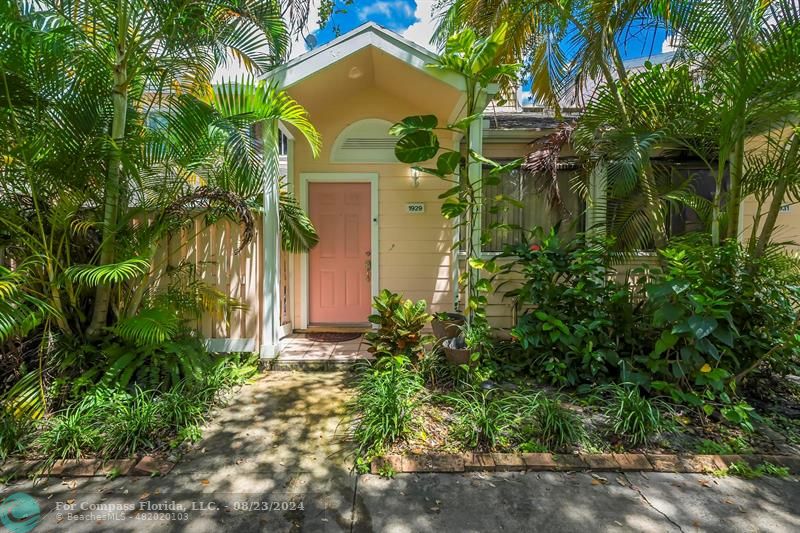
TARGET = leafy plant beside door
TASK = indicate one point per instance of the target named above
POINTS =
(475, 61)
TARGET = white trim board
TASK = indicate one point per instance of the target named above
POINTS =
(369, 34)
(340, 177)
(230, 345)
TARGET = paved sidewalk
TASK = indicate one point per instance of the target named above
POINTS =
(274, 460)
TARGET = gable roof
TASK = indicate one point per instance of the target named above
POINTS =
(369, 34)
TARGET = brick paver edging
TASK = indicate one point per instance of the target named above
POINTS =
(145, 466)
(519, 462)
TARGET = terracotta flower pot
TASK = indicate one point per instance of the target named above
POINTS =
(447, 329)
(455, 352)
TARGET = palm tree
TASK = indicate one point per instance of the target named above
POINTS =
(104, 153)
(594, 30)
(118, 61)
(141, 47)
(745, 52)
(742, 56)
(544, 32)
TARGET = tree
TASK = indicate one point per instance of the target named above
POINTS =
(594, 30)
(745, 52)
(95, 172)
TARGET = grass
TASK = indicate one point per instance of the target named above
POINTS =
(735, 445)
(111, 422)
(554, 425)
(744, 470)
(484, 417)
(634, 416)
(383, 407)
(71, 433)
(14, 435)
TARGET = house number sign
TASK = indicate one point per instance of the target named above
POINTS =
(415, 208)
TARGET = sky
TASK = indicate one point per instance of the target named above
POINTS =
(414, 20)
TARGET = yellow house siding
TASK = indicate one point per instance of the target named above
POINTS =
(414, 249)
(787, 228)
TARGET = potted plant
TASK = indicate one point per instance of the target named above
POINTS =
(472, 339)
(447, 325)
(456, 350)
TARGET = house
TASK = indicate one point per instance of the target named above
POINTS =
(379, 222)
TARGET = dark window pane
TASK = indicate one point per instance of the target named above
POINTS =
(539, 209)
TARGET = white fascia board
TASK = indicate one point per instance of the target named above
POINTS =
(369, 34)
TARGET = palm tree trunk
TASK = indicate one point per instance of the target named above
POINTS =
(112, 186)
(777, 201)
(736, 159)
(772, 216)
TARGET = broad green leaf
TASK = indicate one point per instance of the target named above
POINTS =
(414, 124)
(486, 51)
(668, 312)
(452, 208)
(450, 192)
(464, 123)
(418, 146)
(427, 170)
(476, 262)
(724, 334)
(483, 285)
(481, 159)
(447, 163)
(461, 42)
(665, 342)
(702, 326)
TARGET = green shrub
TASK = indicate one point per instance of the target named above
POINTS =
(15, 434)
(553, 425)
(382, 409)
(73, 432)
(433, 368)
(400, 325)
(485, 418)
(744, 470)
(114, 422)
(736, 445)
(134, 422)
(634, 416)
(574, 318)
(691, 328)
(179, 407)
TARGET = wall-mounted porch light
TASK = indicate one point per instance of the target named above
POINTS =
(415, 177)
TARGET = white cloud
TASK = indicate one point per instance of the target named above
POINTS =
(670, 44)
(299, 44)
(421, 31)
(390, 8)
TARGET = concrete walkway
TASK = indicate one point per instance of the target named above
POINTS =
(274, 460)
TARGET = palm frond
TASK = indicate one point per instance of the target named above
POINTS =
(112, 273)
(148, 327)
(297, 231)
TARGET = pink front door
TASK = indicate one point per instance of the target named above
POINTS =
(339, 286)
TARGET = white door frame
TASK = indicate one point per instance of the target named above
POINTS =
(340, 177)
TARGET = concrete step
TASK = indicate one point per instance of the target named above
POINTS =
(315, 364)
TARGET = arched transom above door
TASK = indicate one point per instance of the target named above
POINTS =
(365, 141)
